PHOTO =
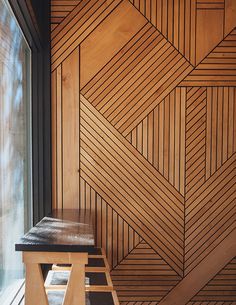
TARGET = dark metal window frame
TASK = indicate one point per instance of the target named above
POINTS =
(34, 18)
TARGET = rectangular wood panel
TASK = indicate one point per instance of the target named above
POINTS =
(144, 129)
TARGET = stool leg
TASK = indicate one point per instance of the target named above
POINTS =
(75, 291)
(34, 285)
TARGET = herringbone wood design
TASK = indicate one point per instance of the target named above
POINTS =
(144, 129)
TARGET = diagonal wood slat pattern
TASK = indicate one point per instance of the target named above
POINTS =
(113, 234)
(218, 68)
(60, 9)
(162, 143)
(166, 201)
(140, 275)
(143, 135)
(225, 281)
(195, 139)
(211, 214)
(221, 131)
(137, 81)
(77, 26)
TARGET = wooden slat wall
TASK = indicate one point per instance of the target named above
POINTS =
(144, 136)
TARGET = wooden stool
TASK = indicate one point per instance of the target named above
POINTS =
(34, 284)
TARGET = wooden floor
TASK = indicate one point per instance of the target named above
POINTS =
(144, 129)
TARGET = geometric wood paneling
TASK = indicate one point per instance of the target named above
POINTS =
(117, 29)
(137, 81)
(143, 275)
(149, 204)
(162, 143)
(218, 68)
(221, 131)
(113, 234)
(60, 9)
(143, 135)
(222, 287)
(210, 214)
(195, 139)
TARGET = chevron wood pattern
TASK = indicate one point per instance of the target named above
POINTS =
(143, 131)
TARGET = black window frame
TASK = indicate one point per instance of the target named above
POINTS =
(33, 17)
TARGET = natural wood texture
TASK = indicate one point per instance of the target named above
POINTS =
(195, 139)
(117, 29)
(203, 273)
(168, 219)
(209, 30)
(135, 85)
(143, 274)
(225, 281)
(162, 143)
(60, 9)
(176, 20)
(114, 235)
(156, 134)
(218, 68)
(34, 285)
(66, 127)
(75, 290)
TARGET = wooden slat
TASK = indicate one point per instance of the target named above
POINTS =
(210, 73)
(70, 130)
(117, 29)
(155, 136)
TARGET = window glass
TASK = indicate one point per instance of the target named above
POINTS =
(15, 149)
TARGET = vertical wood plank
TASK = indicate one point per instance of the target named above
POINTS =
(219, 127)
(208, 134)
(214, 130)
(59, 138)
(225, 124)
(182, 140)
(54, 139)
(70, 130)
(177, 136)
(231, 122)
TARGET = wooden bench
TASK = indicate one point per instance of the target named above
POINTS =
(80, 272)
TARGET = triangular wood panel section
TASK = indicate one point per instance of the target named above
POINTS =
(60, 9)
(176, 20)
(137, 79)
(113, 234)
(193, 27)
(143, 276)
(210, 214)
(131, 186)
(222, 287)
(162, 143)
(218, 68)
(200, 276)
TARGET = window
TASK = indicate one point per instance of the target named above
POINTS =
(15, 149)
